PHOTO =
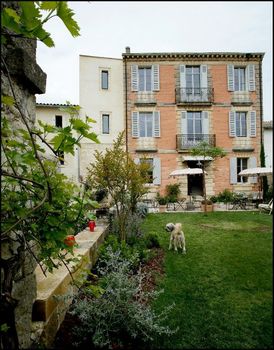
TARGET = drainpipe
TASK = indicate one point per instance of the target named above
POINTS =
(261, 100)
(127, 51)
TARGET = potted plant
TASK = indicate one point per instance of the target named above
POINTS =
(92, 221)
(209, 205)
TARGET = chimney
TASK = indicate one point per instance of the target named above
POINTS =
(127, 49)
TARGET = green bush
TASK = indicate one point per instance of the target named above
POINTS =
(173, 191)
(152, 240)
(162, 200)
(226, 196)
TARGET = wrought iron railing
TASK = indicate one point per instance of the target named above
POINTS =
(187, 141)
(192, 95)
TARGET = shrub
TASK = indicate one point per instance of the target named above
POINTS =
(121, 315)
(173, 191)
(226, 196)
(152, 240)
(142, 210)
(162, 200)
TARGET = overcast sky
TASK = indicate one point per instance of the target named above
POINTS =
(146, 26)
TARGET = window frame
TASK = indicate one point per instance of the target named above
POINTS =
(149, 171)
(145, 77)
(102, 123)
(240, 166)
(240, 117)
(102, 79)
(146, 115)
(239, 81)
(59, 120)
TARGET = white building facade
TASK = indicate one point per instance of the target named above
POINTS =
(100, 98)
(52, 115)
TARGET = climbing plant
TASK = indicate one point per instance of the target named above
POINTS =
(39, 206)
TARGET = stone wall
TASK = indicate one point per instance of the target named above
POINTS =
(27, 79)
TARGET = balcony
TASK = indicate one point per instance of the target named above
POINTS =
(194, 96)
(145, 98)
(188, 141)
(241, 98)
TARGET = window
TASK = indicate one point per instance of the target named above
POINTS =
(241, 130)
(146, 124)
(105, 123)
(59, 121)
(61, 157)
(194, 126)
(241, 165)
(149, 170)
(145, 79)
(104, 79)
(193, 80)
(239, 79)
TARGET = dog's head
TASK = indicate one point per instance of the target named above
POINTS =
(170, 227)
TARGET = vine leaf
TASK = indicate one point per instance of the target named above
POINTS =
(66, 14)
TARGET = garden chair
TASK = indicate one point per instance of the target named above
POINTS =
(266, 207)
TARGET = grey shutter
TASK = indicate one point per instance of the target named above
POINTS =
(182, 76)
(253, 123)
(251, 77)
(205, 123)
(182, 82)
(156, 171)
(233, 170)
(184, 122)
(135, 124)
(156, 124)
(252, 163)
(204, 76)
(155, 77)
(230, 77)
(232, 124)
(134, 77)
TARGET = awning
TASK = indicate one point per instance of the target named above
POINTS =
(197, 158)
(186, 171)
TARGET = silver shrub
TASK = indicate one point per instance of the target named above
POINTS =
(123, 309)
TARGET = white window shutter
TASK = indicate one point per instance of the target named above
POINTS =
(156, 77)
(251, 77)
(182, 76)
(252, 163)
(156, 124)
(205, 123)
(253, 124)
(230, 77)
(135, 124)
(233, 170)
(184, 122)
(203, 76)
(232, 124)
(134, 77)
(156, 171)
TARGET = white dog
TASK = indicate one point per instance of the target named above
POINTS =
(177, 237)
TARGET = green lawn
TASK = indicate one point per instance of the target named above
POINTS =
(222, 287)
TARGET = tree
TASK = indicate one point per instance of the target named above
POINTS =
(39, 205)
(205, 150)
(115, 171)
(264, 178)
